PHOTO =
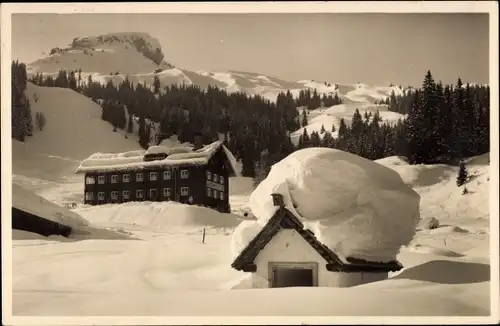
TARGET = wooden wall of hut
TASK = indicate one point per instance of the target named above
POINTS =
(25, 221)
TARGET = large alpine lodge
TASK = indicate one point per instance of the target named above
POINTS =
(196, 176)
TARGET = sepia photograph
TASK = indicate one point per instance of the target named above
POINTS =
(261, 161)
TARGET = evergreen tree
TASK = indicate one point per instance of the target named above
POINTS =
(469, 122)
(22, 124)
(445, 122)
(416, 132)
(315, 140)
(328, 140)
(306, 140)
(248, 159)
(343, 135)
(72, 82)
(462, 174)
(304, 118)
(28, 120)
(143, 133)
(156, 84)
(458, 125)
(430, 111)
(130, 124)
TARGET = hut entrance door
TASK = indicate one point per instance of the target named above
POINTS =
(293, 274)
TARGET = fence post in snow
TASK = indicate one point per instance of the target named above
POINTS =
(203, 238)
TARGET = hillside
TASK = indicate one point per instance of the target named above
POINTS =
(441, 198)
(74, 130)
(328, 116)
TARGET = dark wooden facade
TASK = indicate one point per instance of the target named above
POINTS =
(25, 221)
(196, 184)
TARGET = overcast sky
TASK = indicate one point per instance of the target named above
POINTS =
(340, 48)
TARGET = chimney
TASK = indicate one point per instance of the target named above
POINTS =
(278, 200)
(198, 141)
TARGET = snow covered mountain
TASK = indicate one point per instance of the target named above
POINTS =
(129, 53)
(139, 57)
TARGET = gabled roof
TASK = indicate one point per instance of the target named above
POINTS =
(284, 219)
(134, 160)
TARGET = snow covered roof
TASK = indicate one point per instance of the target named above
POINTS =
(355, 206)
(284, 219)
(29, 202)
(134, 160)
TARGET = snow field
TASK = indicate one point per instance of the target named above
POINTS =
(327, 117)
(167, 263)
(148, 259)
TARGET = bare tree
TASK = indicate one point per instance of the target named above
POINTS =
(41, 121)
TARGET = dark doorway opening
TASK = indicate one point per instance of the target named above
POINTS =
(153, 194)
(288, 277)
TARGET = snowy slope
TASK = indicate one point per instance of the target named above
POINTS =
(74, 130)
(74, 126)
(327, 117)
(436, 184)
(170, 264)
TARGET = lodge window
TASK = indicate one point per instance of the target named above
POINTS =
(139, 193)
(114, 195)
(221, 180)
(126, 194)
(209, 175)
(184, 174)
(153, 176)
(216, 178)
(126, 178)
(139, 177)
(90, 180)
(114, 178)
(167, 192)
(101, 179)
(209, 192)
(167, 175)
(221, 195)
(100, 195)
(184, 191)
(89, 196)
(216, 194)
(153, 193)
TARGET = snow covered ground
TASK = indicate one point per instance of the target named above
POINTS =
(161, 266)
(328, 116)
(148, 259)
